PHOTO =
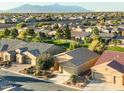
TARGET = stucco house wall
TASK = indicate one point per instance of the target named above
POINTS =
(103, 73)
(69, 68)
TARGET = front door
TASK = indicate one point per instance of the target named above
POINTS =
(123, 80)
(114, 79)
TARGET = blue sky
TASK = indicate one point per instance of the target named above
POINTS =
(101, 6)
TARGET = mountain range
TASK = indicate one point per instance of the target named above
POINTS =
(27, 8)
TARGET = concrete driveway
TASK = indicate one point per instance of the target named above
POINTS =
(98, 86)
(60, 78)
(18, 67)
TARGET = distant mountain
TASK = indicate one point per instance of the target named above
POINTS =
(47, 8)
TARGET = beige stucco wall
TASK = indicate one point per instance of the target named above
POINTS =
(20, 58)
(63, 71)
(106, 74)
(33, 58)
(34, 61)
(2, 55)
(8, 56)
(78, 69)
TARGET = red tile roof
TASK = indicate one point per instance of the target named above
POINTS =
(111, 55)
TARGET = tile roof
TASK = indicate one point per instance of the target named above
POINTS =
(80, 56)
(111, 55)
(4, 47)
(8, 43)
(35, 52)
(14, 44)
(80, 34)
(116, 65)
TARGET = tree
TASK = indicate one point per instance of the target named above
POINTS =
(67, 32)
(41, 35)
(6, 32)
(13, 32)
(97, 44)
(22, 35)
(29, 38)
(30, 32)
(95, 31)
(37, 39)
(87, 40)
(45, 62)
(20, 25)
(59, 34)
(73, 45)
(56, 26)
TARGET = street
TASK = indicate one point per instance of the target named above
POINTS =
(30, 84)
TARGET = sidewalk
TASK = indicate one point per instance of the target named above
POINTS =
(51, 81)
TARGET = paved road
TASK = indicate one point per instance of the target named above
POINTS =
(30, 84)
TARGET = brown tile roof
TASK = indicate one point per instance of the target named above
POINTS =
(111, 55)
(80, 56)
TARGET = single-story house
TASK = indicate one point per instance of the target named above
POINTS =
(75, 62)
(121, 38)
(25, 52)
(109, 68)
(106, 36)
(79, 34)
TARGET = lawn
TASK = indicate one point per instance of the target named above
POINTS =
(62, 43)
(116, 48)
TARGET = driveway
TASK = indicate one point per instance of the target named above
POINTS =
(31, 84)
(98, 86)
(60, 78)
(18, 67)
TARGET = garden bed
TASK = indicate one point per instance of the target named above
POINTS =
(79, 82)
(42, 74)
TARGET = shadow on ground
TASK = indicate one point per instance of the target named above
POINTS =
(23, 79)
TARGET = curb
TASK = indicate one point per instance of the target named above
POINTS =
(39, 78)
(7, 89)
(26, 75)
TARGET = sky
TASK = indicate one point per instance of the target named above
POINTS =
(94, 6)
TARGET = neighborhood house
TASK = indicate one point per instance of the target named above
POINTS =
(109, 68)
(76, 61)
(25, 52)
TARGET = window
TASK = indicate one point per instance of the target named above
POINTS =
(114, 79)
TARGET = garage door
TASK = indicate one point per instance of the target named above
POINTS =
(69, 71)
(28, 61)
